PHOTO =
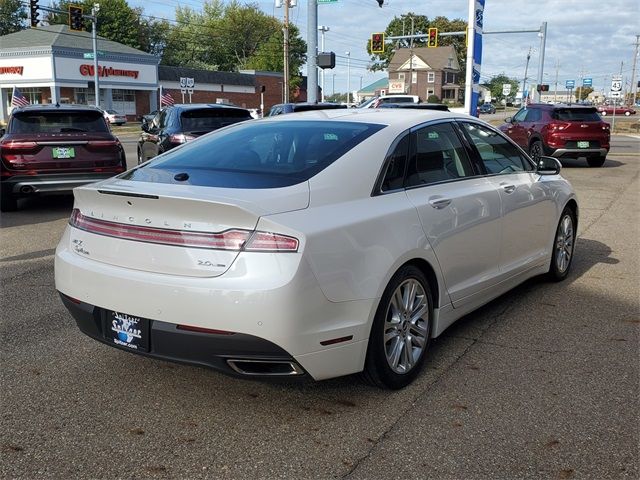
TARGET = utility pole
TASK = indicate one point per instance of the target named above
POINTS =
(579, 99)
(348, 79)
(285, 31)
(322, 29)
(543, 43)
(524, 80)
(411, 57)
(94, 36)
(312, 51)
(555, 90)
(634, 84)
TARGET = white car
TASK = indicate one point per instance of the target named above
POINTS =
(115, 118)
(316, 244)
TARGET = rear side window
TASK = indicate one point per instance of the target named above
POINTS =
(208, 119)
(576, 114)
(258, 154)
(58, 122)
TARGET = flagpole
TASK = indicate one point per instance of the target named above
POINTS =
(160, 98)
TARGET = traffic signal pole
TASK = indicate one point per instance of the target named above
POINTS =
(312, 51)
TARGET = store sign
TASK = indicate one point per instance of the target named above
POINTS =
(11, 70)
(88, 71)
(396, 86)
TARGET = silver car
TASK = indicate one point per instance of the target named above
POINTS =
(316, 244)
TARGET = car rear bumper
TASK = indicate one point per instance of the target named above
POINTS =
(50, 183)
(273, 299)
(579, 152)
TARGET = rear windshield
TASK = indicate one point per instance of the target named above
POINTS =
(58, 122)
(258, 154)
(208, 119)
(320, 106)
(576, 114)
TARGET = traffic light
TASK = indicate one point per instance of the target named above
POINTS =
(542, 88)
(75, 18)
(377, 43)
(433, 37)
(33, 6)
(380, 2)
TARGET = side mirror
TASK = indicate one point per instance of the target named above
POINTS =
(509, 120)
(548, 166)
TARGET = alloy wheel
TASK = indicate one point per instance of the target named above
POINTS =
(406, 326)
(564, 244)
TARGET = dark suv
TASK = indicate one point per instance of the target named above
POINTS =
(50, 149)
(179, 124)
(561, 131)
(282, 108)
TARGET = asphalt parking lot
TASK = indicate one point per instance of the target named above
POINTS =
(543, 382)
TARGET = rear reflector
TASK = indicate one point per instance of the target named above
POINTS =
(191, 328)
(227, 240)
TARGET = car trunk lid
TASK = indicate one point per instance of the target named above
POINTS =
(141, 225)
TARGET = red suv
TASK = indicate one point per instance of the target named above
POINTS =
(50, 149)
(561, 131)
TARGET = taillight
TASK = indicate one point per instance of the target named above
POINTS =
(558, 126)
(180, 138)
(271, 242)
(102, 144)
(235, 239)
(14, 146)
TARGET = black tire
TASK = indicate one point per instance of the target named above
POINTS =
(536, 150)
(596, 161)
(378, 370)
(558, 269)
(8, 203)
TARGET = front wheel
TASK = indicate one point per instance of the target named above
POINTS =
(401, 331)
(535, 150)
(563, 246)
(626, 114)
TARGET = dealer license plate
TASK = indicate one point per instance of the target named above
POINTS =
(583, 144)
(64, 152)
(127, 331)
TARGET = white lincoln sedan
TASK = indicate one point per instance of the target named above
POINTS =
(315, 245)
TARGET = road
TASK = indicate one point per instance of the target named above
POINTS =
(541, 383)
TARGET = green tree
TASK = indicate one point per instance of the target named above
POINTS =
(421, 24)
(495, 86)
(13, 15)
(117, 21)
(582, 93)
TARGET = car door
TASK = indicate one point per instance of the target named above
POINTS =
(459, 210)
(527, 205)
(517, 129)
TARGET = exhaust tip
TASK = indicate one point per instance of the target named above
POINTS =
(281, 368)
(26, 189)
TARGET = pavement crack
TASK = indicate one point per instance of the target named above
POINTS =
(426, 390)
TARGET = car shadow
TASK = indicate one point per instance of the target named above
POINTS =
(576, 163)
(34, 210)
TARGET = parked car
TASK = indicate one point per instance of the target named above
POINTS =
(314, 244)
(486, 108)
(49, 149)
(561, 131)
(282, 108)
(148, 118)
(180, 124)
(417, 106)
(605, 110)
(115, 118)
(376, 101)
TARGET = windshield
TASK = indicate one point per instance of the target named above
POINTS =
(208, 119)
(258, 154)
(58, 122)
(576, 114)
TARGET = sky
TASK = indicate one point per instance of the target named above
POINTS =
(585, 38)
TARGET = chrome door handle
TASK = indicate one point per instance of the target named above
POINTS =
(508, 188)
(439, 203)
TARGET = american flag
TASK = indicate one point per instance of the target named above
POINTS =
(17, 99)
(166, 98)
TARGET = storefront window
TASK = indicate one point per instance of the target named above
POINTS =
(124, 101)
(34, 95)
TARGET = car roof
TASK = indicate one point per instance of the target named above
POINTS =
(416, 106)
(56, 107)
(193, 106)
(399, 119)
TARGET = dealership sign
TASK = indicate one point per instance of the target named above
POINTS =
(88, 70)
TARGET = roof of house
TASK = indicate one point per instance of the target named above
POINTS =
(60, 36)
(377, 85)
(437, 58)
(173, 74)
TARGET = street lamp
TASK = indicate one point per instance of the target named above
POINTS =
(322, 29)
(348, 78)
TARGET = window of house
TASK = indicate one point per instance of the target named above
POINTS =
(414, 77)
(401, 76)
(431, 77)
